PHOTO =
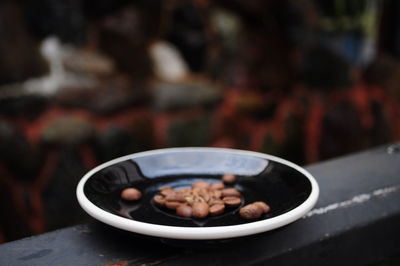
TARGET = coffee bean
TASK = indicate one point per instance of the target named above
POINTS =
(216, 196)
(230, 192)
(166, 192)
(172, 204)
(200, 209)
(184, 210)
(196, 191)
(264, 206)
(229, 178)
(251, 212)
(131, 194)
(201, 184)
(217, 186)
(232, 201)
(190, 199)
(184, 191)
(175, 197)
(215, 201)
(198, 198)
(158, 199)
(205, 195)
(217, 209)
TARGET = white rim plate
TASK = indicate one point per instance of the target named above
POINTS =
(198, 233)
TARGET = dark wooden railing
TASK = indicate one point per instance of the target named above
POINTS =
(355, 222)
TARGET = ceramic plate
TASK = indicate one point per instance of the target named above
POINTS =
(289, 190)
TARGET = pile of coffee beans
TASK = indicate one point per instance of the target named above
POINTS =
(202, 199)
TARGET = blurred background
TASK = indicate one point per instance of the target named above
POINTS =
(86, 81)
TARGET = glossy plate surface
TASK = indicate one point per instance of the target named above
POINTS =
(289, 190)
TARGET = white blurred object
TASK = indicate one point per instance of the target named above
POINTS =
(55, 52)
(168, 64)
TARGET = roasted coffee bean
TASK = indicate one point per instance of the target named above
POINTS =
(131, 194)
(216, 193)
(172, 204)
(159, 199)
(184, 210)
(217, 186)
(200, 209)
(217, 209)
(196, 191)
(167, 191)
(184, 191)
(232, 201)
(264, 206)
(190, 199)
(175, 197)
(201, 184)
(205, 195)
(215, 201)
(229, 178)
(230, 192)
(198, 198)
(251, 212)
(200, 190)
